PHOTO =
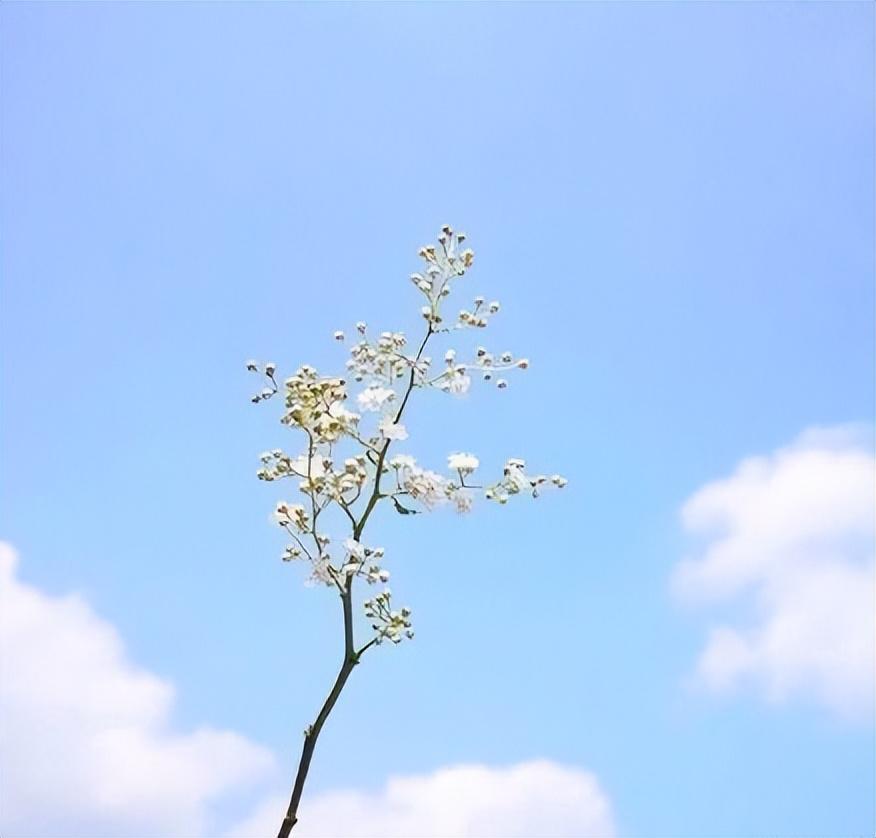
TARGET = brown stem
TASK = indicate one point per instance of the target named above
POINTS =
(351, 658)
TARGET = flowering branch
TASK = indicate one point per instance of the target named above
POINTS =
(387, 377)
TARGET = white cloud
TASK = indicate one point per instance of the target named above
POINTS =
(86, 749)
(85, 743)
(531, 799)
(791, 535)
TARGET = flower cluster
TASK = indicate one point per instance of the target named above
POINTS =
(463, 463)
(515, 480)
(362, 561)
(388, 624)
(479, 316)
(317, 405)
(442, 264)
(381, 360)
(292, 514)
(420, 484)
(347, 463)
(318, 474)
(456, 379)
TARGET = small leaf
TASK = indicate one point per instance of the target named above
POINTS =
(403, 510)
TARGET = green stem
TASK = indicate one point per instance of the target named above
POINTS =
(351, 656)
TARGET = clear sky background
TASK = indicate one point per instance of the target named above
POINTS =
(674, 203)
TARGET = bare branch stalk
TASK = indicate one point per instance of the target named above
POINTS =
(351, 658)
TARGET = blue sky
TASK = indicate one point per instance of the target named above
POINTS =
(674, 203)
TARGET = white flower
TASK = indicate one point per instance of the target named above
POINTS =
(403, 461)
(458, 382)
(317, 466)
(464, 500)
(354, 548)
(339, 336)
(518, 480)
(374, 397)
(376, 574)
(291, 513)
(338, 411)
(321, 573)
(291, 552)
(425, 486)
(464, 463)
(392, 430)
